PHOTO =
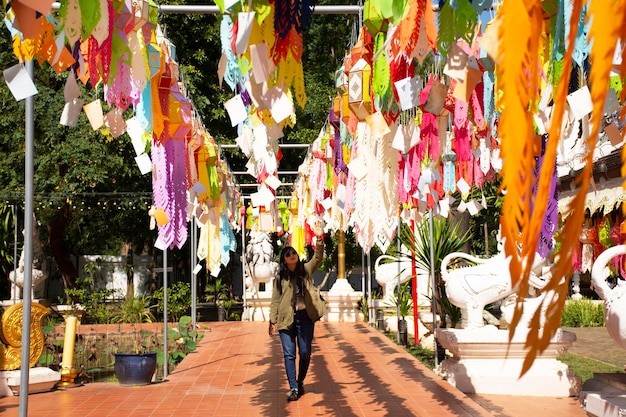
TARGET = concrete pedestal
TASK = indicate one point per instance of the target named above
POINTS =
(604, 395)
(342, 302)
(484, 362)
(257, 306)
(39, 380)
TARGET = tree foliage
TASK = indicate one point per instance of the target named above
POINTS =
(88, 194)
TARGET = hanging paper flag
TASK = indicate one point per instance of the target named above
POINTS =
(114, 121)
(408, 90)
(449, 172)
(260, 64)
(94, 114)
(244, 28)
(72, 22)
(71, 112)
(236, 110)
(19, 82)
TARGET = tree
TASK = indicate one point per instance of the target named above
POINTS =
(88, 193)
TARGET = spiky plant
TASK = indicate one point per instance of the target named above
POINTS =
(446, 238)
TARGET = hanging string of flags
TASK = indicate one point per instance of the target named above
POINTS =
(120, 46)
(508, 81)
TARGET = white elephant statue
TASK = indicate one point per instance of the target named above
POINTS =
(614, 300)
(471, 288)
(259, 253)
(387, 274)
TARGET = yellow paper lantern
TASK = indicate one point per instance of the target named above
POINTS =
(359, 80)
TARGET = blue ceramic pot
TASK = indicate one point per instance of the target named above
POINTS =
(135, 368)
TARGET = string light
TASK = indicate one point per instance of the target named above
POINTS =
(86, 201)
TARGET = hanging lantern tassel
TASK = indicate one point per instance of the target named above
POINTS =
(449, 173)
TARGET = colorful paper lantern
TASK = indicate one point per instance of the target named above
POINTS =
(373, 17)
(359, 98)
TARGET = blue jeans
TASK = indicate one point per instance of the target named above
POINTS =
(302, 331)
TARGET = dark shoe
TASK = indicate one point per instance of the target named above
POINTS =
(300, 389)
(293, 395)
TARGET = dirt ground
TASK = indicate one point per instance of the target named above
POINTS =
(595, 343)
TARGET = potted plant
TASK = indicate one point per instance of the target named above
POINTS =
(403, 304)
(136, 366)
(218, 291)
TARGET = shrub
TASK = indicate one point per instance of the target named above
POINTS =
(583, 313)
(178, 300)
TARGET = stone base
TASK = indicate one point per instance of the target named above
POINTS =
(604, 395)
(484, 362)
(342, 303)
(257, 306)
(39, 380)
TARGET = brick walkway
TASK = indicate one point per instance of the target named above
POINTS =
(237, 370)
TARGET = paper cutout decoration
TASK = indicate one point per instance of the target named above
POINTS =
(71, 90)
(463, 186)
(377, 124)
(94, 114)
(580, 102)
(244, 28)
(19, 82)
(114, 121)
(144, 163)
(408, 90)
(373, 18)
(436, 98)
(357, 168)
(135, 131)
(236, 110)
(260, 64)
(456, 63)
(71, 112)
(612, 132)
(161, 217)
(273, 182)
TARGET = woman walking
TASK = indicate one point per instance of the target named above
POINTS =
(295, 308)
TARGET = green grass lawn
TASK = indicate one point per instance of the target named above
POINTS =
(581, 366)
(585, 368)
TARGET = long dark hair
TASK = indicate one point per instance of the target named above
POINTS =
(285, 273)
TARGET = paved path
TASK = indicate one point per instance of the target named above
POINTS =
(237, 370)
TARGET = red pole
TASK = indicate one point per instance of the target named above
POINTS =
(415, 306)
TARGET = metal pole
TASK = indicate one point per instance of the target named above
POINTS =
(194, 276)
(28, 247)
(432, 283)
(399, 278)
(369, 284)
(415, 292)
(212, 9)
(244, 266)
(14, 285)
(166, 355)
(369, 306)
